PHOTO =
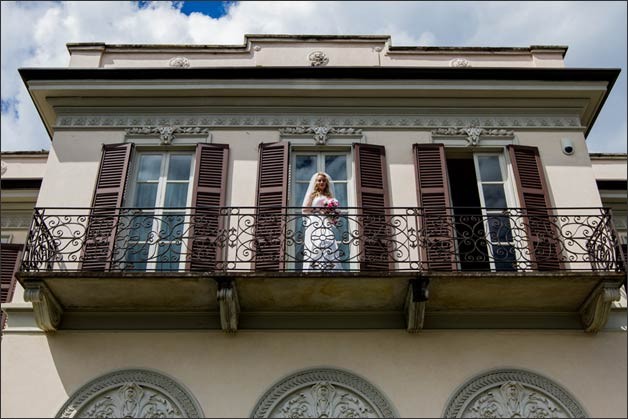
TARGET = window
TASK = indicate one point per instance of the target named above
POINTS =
(155, 221)
(337, 165)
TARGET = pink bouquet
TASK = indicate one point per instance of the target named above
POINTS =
(331, 210)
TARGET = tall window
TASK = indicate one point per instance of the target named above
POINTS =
(337, 165)
(157, 220)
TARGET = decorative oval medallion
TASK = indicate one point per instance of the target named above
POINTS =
(182, 62)
(512, 394)
(323, 393)
(131, 394)
(459, 62)
(318, 58)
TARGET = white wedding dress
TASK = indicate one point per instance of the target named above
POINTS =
(320, 250)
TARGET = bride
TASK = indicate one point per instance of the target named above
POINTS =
(320, 251)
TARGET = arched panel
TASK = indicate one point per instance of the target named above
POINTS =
(131, 394)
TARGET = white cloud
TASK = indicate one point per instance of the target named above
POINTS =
(34, 34)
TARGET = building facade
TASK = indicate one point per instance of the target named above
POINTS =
(472, 269)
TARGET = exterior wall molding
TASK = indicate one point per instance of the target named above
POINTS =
(473, 134)
(132, 393)
(320, 133)
(141, 122)
(48, 311)
(512, 393)
(323, 392)
(595, 310)
(16, 220)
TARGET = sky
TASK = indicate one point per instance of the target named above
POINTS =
(34, 34)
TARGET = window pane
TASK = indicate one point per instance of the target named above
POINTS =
(299, 193)
(494, 196)
(176, 195)
(179, 167)
(489, 168)
(504, 257)
(145, 195)
(341, 193)
(138, 228)
(150, 166)
(168, 257)
(336, 167)
(306, 167)
(172, 227)
(136, 257)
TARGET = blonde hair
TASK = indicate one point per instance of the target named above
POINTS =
(326, 191)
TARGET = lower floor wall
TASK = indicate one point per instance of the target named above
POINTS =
(233, 375)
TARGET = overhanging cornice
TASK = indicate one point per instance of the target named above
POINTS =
(577, 84)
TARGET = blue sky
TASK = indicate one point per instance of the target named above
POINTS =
(34, 34)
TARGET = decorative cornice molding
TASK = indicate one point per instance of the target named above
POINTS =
(361, 399)
(512, 393)
(318, 59)
(459, 62)
(166, 132)
(16, 221)
(363, 121)
(48, 311)
(321, 133)
(110, 391)
(595, 310)
(472, 133)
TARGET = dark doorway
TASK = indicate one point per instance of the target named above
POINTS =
(471, 247)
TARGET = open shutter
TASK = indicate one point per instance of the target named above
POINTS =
(543, 240)
(10, 262)
(372, 194)
(108, 196)
(272, 198)
(437, 239)
(210, 179)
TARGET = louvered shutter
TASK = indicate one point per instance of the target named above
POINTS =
(543, 240)
(373, 202)
(10, 262)
(437, 239)
(207, 244)
(108, 196)
(272, 198)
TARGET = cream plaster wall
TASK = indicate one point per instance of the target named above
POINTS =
(609, 169)
(30, 166)
(229, 373)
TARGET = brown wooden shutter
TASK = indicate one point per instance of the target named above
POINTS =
(372, 194)
(543, 240)
(272, 198)
(210, 180)
(108, 196)
(437, 238)
(9, 265)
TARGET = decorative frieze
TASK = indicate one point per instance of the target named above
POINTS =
(323, 393)
(166, 133)
(320, 133)
(16, 220)
(252, 120)
(318, 59)
(512, 394)
(472, 133)
(181, 62)
(131, 394)
(459, 62)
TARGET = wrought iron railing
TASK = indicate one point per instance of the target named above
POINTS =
(352, 239)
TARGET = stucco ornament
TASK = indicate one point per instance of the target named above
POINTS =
(472, 133)
(512, 394)
(166, 133)
(181, 62)
(3, 168)
(459, 62)
(318, 59)
(320, 132)
(131, 394)
(323, 393)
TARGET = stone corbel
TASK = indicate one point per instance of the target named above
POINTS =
(595, 310)
(47, 309)
(414, 307)
(229, 306)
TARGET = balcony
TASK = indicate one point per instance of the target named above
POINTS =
(266, 267)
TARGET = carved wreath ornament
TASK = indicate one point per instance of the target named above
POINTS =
(318, 59)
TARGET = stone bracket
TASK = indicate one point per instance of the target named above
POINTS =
(48, 311)
(229, 305)
(414, 307)
(595, 310)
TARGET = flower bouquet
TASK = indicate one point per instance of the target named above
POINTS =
(330, 208)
